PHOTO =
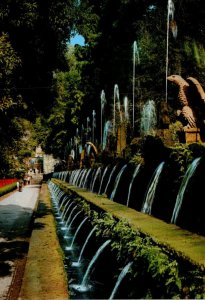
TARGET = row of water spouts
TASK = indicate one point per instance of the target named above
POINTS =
(86, 178)
(171, 23)
(66, 212)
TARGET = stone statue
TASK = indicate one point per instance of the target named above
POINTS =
(192, 101)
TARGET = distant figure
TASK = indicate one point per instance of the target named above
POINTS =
(17, 185)
(20, 185)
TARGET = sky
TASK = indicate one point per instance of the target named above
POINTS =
(77, 39)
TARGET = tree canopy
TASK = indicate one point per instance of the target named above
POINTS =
(57, 87)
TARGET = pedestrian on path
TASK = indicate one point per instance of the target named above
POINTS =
(17, 185)
(20, 185)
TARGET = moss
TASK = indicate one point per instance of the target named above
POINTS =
(171, 261)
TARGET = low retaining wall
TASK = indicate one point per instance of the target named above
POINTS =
(186, 248)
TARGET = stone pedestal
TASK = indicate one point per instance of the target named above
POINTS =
(192, 135)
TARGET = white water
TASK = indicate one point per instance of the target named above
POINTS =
(84, 246)
(131, 183)
(135, 53)
(149, 197)
(190, 171)
(108, 128)
(113, 170)
(123, 273)
(84, 286)
(117, 180)
(105, 171)
(148, 118)
(76, 233)
(103, 102)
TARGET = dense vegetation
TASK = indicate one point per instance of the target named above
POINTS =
(48, 90)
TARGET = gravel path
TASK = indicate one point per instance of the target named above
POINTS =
(16, 211)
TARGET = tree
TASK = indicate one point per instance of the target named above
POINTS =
(38, 31)
(64, 117)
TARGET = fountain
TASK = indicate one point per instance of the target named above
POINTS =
(116, 104)
(108, 128)
(103, 102)
(85, 286)
(76, 264)
(149, 197)
(117, 180)
(136, 171)
(148, 119)
(135, 53)
(189, 173)
(123, 273)
(77, 230)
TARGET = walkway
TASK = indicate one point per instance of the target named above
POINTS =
(31, 265)
(16, 212)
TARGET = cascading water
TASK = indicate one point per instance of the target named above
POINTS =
(149, 197)
(65, 211)
(126, 109)
(189, 173)
(103, 102)
(131, 183)
(77, 230)
(117, 180)
(85, 185)
(123, 273)
(103, 176)
(116, 104)
(135, 55)
(61, 204)
(97, 174)
(69, 217)
(84, 286)
(71, 222)
(111, 174)
(108, 128)
(148, 118)
(76, 264)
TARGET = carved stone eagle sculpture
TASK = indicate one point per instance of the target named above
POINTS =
(191, 98)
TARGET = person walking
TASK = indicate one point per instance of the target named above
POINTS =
(17, 185)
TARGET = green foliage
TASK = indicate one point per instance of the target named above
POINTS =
(183, 156)
(7, 189)
(137, 159)
(175, 129)
(64, 116)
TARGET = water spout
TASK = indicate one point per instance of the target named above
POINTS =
(148, 118)
(190, 171)
(84, 246)
(131, 183)
(84, 286)
(77, 230)
(149, 197)
(117, 180)
(123, 273)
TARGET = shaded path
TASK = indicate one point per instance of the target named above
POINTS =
(31, 259)
(16, 211)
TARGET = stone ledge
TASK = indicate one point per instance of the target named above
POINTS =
(182, 242)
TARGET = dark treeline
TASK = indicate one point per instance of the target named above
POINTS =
(55, 87)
